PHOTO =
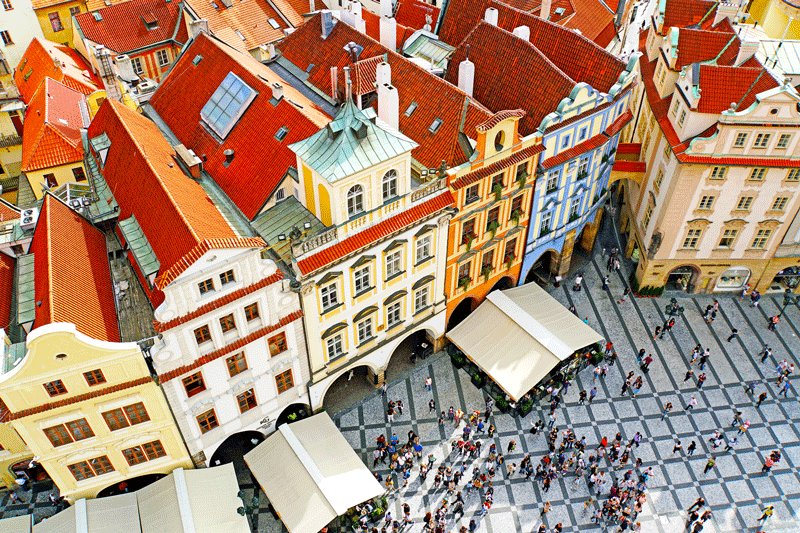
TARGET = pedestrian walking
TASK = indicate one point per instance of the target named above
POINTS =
(578, 282)
(700, 380)
(545, 509)
(605, 284)
(657, 332)
(692, 403)
(773, 322)
(733, 335)
(592, 394)
(428, 384)
(625, 292)
(761, 398)
(784, 389)
(766, 512)
(691, 448)
(666, 411)
(431, 406)
(647, 361)
(737, 419)
(688, 376)
(744, 427)
(698, 504)
(677, 447)
(731, 443)
(766, 353)
(709, 465)
(582, 397)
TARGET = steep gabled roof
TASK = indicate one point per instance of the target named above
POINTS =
(178, 218)
(72, 278)
(414, 13)
(134, 24)
(424, 99)
(695, 46)
(52, 130)
(372, 25)
(44, 59)
(6, 288)
(683, 13)
(722, 85)
(261, 159)
(250, 20)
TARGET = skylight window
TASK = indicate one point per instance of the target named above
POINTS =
(437, 123)
(411, 108)
(197, 59)
(282, 133)
(274, 24)
(228, 103)
(240, 35)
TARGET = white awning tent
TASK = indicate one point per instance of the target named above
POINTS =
(517, 336)
(310, 473)
(177, 503)
(16, 524)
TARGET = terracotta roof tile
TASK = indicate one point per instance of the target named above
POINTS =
(176, 215)
(375, 233)
(372, 25)
(303, 7)
(721, 85)
(497, 166)
(72, 279)
(429, 96)
(44, 59)
(261, 161)
(497, 118)
(6, 288)
(593, 19)
(629, 148)
(250, 18)
(683, 13)
(8, 211)
(629, 166)
(52, 128)
(695, 46)
(123, 28)
(413, 13)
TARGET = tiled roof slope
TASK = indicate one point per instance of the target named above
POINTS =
(434, 97)
(372, 25)
(504, 69)
(413, 13)
(260, 161)
(250, 18)
(721, 85)
(695, 46)
(683, 13)
(593, 19)
(8, 211)
(6, 288)
(72, 279)
(123, 28)
(178, 218)
(52, 130)
(597, 67)
(45, 59)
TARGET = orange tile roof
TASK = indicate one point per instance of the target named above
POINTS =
(721, 85)
(414, 13)
(683, 13)
(696, 45)
(176, 215)
(434, 97)
(372, 25)
(497, 166)
(374, 234)
(593, 19)
(72, 279)
(8, 211)
(39, 4)
(261, 161)
(6, 288)
(52, 130)
(629, 166)
(250, 18)
(44, 59)
(94, 5)
(123, 29)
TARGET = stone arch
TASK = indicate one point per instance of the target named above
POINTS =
(683, 277)
(545, 266)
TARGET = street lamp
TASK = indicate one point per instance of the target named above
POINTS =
(789, 298)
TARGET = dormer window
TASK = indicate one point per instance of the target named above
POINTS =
(274, 24)
(355, 201)
(227, 105)
(150, 21)
(437, 123)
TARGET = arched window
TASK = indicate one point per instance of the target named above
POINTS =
(389, 185)
(355, 200)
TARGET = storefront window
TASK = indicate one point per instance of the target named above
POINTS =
(733, 278)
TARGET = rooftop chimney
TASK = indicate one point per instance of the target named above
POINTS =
(747, 49)
(386, 8)
(277, 91)
(523, 32)
(196, 27)
(228, 156)
(125, 68)
(388, 31)
(388, 99)
(327, 23)
(466, 74)
(544, 11)
(491, 16)
(348, 85)
(312, 6)
(726, 10)
(107, 73)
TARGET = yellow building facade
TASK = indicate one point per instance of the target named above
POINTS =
(14, 456)
(90, 412)
(55, 18)
(778, 19)
(55, 176)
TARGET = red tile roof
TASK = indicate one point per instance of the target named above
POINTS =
(123, 29)
(413, 13)
(594, 20)
(372, 25)
(629, 166)
(72, 279)
(52, 129)
(434, 97)
(721, 85)
(250, 18)
(375, 233)
(8, 211)
(695, 46)
(178, 218)
(683, 13)
(497, 118)
(629, 148)
(591, 143)
(44, 59)
(260, 160)
(497, 166)
(6, 288)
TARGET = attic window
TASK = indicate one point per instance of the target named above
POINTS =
(282, 133)
(214, 5)
(150, 21)
(308, 69)
(197, 59)
(437, 123)
(240, 35)
(97, 16)
(227, 104)
(559, 11)
(274, 24)
(411, 108)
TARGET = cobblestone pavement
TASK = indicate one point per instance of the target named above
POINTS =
(735, 489)
(33, 500)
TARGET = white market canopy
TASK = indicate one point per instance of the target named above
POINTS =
(177, 503)
(310, 473)
(16, 524)
(517, 336)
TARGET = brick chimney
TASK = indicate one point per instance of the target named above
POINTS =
(388, 99)
(466, 74)
(327, 23)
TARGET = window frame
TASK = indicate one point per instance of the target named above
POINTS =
(209, 419)
(355, 201)
(728, 234)
(761, 141)
(55, 388)
(424, 290)
(227, 277)
(784, 139)
(365, 330)
(202, 335)
(740, 141)
(329, 292)
(233, 91)
(362, 280)
(706, 201)
(94, 377)
(761, 238)
(745, 203)
(227, 323)
(55, 20)
(691, 239)
(246, 400)
(425, 243)
(236, 364)
(334, 343)
(280, 343)
(281, 381)
(206, 286)
(394, 263)
(124, 414)
(192, 379)
(394, 309)
(472, 194)
(389, 179)
(248, 312)
(162, 53)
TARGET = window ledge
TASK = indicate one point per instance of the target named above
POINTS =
(327, 310)
(422, 310)
(366, 341)
(363, 292)
(395, 276)
(423, 261)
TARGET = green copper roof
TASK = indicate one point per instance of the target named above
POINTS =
(140, 246)
(280, 219)
(351, 142)
(26, 296)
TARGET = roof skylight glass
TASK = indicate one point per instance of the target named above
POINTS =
(227, 104)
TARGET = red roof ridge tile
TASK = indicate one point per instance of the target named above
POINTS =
(6, 287)
(480, 173)
(498, 117)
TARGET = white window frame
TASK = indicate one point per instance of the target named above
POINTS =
(329, 294)
(362, 279)
(421, 298)
(424, 246)
(355, 201)
(334, 347)
(394, 263)
(365, 330)
(692, 238)
(136, 63)
(389, 182)
(162, 57)
(394, 314)
(784, 140)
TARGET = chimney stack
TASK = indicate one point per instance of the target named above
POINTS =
(523, 32)
(387, 9)
(196, 27)
(125, 68)
(466, 74)
(726, 10)
(348, 85)
(277, 91)
(107, 73)
(388, 31)
(544, 11)
(312, 6)
(491, 16)
(388, 99)
(327, 23)
(747, 49)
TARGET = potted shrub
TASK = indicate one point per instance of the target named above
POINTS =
(464, 282)
(502, 404)
(469, 242)
(596, 358)
(498, 191)
(478, 380)
(486, 272)
(458, 359)
(493, 227)
(516, 215)
(525, 406)
(509, 259)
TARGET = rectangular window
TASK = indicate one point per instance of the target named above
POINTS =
(227, 104)
(565, 142)
(394, 263)
(582, 133)
(682, 118)
(277, 344)
(706, 202)
(136, 413)
(79, 429)
(94, 377)
(389, 185)
(468, 231)
(544, 223)
(55, 388)
(583, 168)
(744, 203)
(194, 384)
(423, 248)
(78, 174)
(361, 279)
(143, 453)
(648, 213)
(91, 468)
(522, 171)
(50, 179)
(393, 315)
(227, 323)
(246, 400)
(692, 238)
(757, 174)
(497, 181)
(7, 5)
(7, 40)
(784, 140)
(761, 238)
(55, 22)
(675, 105)
(226, 277)
(471, 194)
(364, 329)
(487, 261)
(129, 415)
(334, 347)
(207, 421)
(251, 312)
(793, 175)
(719, 173)
(206, 286)
(421, 299)
(330, 296)
(74, 10)
(236, 364)
(762, 140)
(510, 252)
(574, 207)
(58, 435)
(741, 140)
(659, 180)
(516, 208)
(493, 219)
(464, 272)
(728, 238)
(202, 334)
(137, 65)
(134, 456)
(780, 203)
(163, 58)
(284, 381)
(552, 182)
